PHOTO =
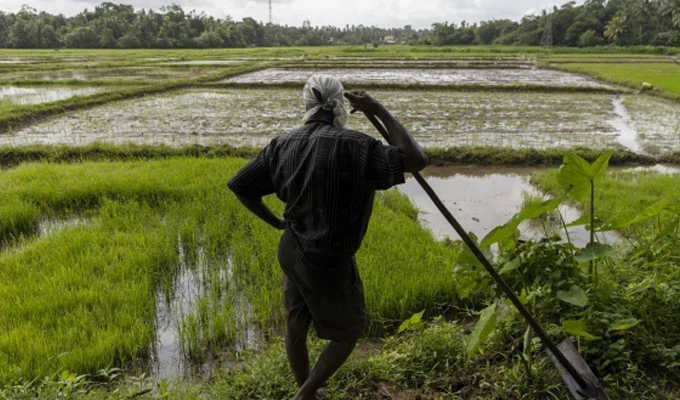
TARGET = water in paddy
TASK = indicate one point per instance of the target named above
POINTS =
(36, 95)
(195, 281)
(622, 123)
(456, 76)
(482, 198)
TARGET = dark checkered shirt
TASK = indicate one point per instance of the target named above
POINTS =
(327, 177)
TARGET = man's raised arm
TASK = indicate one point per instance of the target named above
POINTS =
(413, 157)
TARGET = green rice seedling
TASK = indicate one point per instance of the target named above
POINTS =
(663, 76)
(107, 270)
(17, 218)
(79, 298)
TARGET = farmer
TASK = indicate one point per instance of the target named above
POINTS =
(327, 177)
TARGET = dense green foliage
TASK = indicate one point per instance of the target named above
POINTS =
(596, 22)
(84, 294)
(137, 212)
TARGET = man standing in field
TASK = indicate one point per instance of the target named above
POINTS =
(327, 177)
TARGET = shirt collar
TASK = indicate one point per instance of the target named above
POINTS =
(323, 116)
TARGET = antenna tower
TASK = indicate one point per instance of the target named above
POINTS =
(547, 39)
(270, 12)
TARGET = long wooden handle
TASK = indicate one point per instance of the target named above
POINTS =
(487, 265)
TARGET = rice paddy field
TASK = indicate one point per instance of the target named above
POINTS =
(121, 247)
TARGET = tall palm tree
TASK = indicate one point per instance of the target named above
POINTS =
(615, 28)
(671, 8)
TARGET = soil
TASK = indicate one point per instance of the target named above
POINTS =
(490, 76)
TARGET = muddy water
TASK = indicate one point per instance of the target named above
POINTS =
(131, 73)
(50, 226)
(28, 95)
(422, 76)
(253, 117)
(482, 198)
(471, 62)
(173, 305)
(657, 121)
(621, 121)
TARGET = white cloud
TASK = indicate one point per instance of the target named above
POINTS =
(383, 13)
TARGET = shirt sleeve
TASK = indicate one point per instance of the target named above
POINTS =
(381, 166)
(254, 179)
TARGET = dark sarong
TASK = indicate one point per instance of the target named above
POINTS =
(332, 299)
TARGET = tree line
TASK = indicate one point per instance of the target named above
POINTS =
(109, 25)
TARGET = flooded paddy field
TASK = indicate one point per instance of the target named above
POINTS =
(36, 95)
(657, 121)
(133, 74)
(482, 198)
(252, 117)
(467, 62)
(443, 76)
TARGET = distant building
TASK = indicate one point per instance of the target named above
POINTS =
(389, 39)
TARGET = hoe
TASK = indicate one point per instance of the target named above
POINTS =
(580, 380)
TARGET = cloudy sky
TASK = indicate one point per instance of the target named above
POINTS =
(383, 13)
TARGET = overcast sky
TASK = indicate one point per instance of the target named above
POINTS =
(382, 13)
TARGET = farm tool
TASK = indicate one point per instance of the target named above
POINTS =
(580, 380)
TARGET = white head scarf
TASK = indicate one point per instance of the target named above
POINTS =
(328, 96)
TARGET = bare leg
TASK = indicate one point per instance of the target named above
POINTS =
(296, 348)
(335, 354)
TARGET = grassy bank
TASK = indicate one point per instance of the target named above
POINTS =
(662, 76)
(13, 156)
(321, 52)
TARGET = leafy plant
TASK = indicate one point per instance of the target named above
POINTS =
(577, 177)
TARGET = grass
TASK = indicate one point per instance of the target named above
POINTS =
(662, 76)
(477, 155)
(648, 187)
(68, 312)
(14, 155)
(143, 56)
(135, 213)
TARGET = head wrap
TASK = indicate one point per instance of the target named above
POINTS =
(324, 92)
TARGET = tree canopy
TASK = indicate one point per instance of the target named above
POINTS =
(109, 25)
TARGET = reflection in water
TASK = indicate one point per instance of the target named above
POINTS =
(622, 123)
(658, 168)
(482, 198)
(195, 281)
(50, 226)
(28, 95)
